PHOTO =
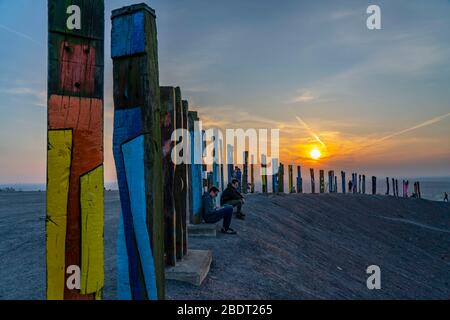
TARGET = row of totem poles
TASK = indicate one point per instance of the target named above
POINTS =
(158, 197)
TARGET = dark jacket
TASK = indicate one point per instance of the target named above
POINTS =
(229, 194)
(208, 205)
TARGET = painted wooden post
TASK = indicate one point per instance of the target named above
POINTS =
(335, 184)
(374, 185)
(313, 182)
(364, 184)
(210, 180)
(299, 180)
(180, 177)
(343, 182)
(330, 181)
(252, 175)
(221, 161)
(187, 177)
(216, 155)
(396, 187)
(291, 178)
(245, 174)
(75, 199)
(355, 184)
(196, 169)
(137, 153)
(275, 172)
(387, 186)
(281, 178)
(167, 128)
(321, 181)
(230, 162)
(264, 173)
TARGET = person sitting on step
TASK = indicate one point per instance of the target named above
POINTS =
(231, 196)
(211, 214)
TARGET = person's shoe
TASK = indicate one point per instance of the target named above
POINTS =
(229, 231)
(240, 216)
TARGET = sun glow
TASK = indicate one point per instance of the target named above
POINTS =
(315, 154)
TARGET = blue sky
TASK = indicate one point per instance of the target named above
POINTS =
(378, 99)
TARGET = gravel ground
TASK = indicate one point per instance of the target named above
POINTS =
(290, 247)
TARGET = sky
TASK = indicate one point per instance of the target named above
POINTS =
(374, 101)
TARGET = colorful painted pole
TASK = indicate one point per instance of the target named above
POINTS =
(355, 184)
(196, 169)
(245, 174)
(222, 173)
(321, 181)
(167, 128)
(364, 184)
(281, 178)
(264, 173)
(313, 182)
(387, 186)
(75, 199)
(374, 185)
(275, 171)
(343, 182)
(299, 180)
(252, 175)
(331, 181)
(137, 153)
(230, 162)
(215, 166)
(335, 184)
(291, 179)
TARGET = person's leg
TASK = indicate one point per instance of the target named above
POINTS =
(227, 216)
(236, 204)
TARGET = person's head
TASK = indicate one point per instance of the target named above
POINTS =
(213, 192)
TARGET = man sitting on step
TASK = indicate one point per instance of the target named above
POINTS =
(233, 197)
(211, 214)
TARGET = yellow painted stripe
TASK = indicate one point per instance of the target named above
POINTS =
(58, 173)
(92, 251)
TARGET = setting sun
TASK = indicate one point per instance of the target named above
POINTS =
(315, 154)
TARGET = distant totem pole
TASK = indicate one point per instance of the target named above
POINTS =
(387, 186)
(335, 184)
(252, 175)
(216, 159)
(313, 182)
(360, 184)
(167, 128)
(291, 179)
(321, 181)
(374, 185)
(331, 181)
(355, 183)
(396, 187)
(137, 153)
(75, 189)
(275, 170)
(196, 169)
(299, 180)
(344, 187)
(264, 173)
(364, 184)
(245, 174)
(280, 182)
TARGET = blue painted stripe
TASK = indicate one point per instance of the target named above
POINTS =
(123, 274)
(128, 125)
(133, 153)
(127, 35)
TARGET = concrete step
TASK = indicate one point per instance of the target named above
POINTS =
(202, 230)
(192, 269)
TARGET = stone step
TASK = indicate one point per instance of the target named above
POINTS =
(192, 269)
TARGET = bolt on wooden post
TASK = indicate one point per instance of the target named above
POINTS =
(75, 190)
(137, 153)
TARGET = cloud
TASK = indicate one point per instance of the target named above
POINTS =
(305, 96)
(39, 95)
